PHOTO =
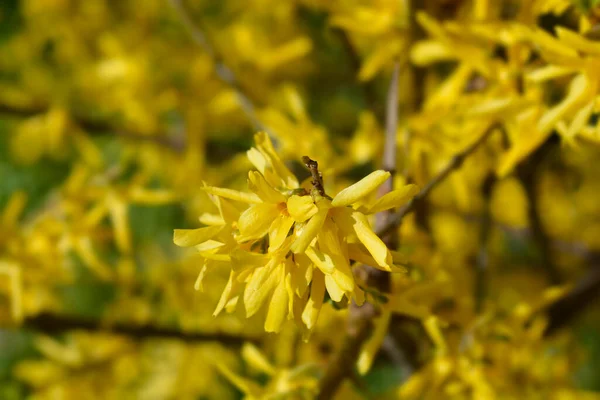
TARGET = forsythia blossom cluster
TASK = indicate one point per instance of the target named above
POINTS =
(287, 245)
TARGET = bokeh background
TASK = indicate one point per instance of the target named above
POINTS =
(113, 113)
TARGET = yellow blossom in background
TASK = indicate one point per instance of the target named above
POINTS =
(294, 200)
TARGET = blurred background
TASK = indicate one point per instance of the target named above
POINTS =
(113, 113)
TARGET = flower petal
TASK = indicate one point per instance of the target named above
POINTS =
(254, 223)
(256, 359)
(301, 208)
(231, 194)
(370, 349)
(278, 308)
(335, 292)
(279, 230)
(192, 237)
(258, 185)
(301, 274)
(372, 242)
(393, 199)
(262, 283)
(231, 291)
(315, 301)
(323, 261)
(306, 234)
(198, 284)
(576, 41)
(360, 189)
(246, 386)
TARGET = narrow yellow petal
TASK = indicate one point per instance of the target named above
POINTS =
(370, 349)
(578, 42)
(432, 327)
(257, 159)
(119, 216)
(261, 285)
(279, 230)
(246, 386)
(358, 296)
(278, 308)
(244, 260)
(315, 301)
(233, 194)
(301, 274)
(393, 199)
(430, 25)
(372, 242)
(198, 284)
(553, 45)
(342, 218)
(258, 185)
(232, 289)
(335, 292)
(153, 197)
(211, 219)
(227, 210)
(549, 72)
(578, 89)
(426, 52)
(256, 359)
(331, 247)
(360, 189)
(84, 248)
(192, 237)
(254, 223)
(342, 275)
(301, 208)
(306, 233)
(580, 120)
(263, 142)
(323, 261)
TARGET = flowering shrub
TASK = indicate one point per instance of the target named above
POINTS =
(299, 199)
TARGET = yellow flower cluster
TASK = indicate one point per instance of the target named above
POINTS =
(287, 245)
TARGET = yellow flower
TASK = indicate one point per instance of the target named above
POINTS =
(296, 383)
(290, 245)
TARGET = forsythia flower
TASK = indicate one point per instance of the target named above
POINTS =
(290, 245)
(295, 383)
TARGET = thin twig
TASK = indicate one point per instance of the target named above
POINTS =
(391, 126)
(482, 262)
(222, 70)
(342, 364)
(454, 164)
(317, 177)
(360, 318)
(583, 295)
(56, 324)
(528, 172)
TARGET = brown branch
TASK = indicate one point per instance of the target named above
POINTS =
(56, 324)
(527, 172)
(584, 294)
(222, 70)
(482, 262)
(344, 360)
(317, 177)
(391, 127)
(453, 165)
